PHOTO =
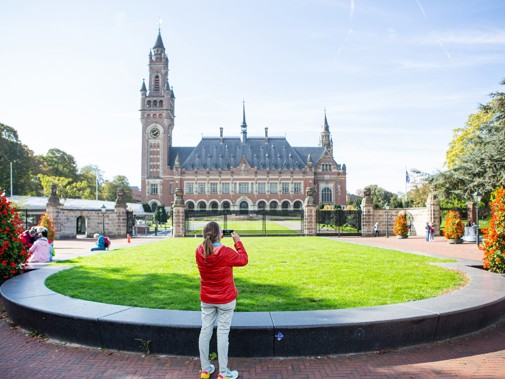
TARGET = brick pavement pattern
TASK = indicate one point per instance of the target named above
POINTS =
(480, 355)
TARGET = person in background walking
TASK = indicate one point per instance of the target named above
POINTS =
(427, 228)
(218, 295)
(432, 232)
(376, 230)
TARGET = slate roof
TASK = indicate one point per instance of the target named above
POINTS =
(214, 153)
(38, 203)
(159, 42)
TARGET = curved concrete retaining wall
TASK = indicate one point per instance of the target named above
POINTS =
(258, 334)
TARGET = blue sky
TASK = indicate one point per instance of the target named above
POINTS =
(395, 77)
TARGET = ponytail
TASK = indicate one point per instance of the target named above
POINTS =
(211, 234)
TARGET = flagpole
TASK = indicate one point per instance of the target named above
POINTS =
(406, 175)
(11, 179)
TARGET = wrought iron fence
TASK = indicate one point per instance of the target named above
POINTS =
(29, 217)
(247, 223)
(339, 222)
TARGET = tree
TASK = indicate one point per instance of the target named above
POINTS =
(481, 166)
(61, 164)
(161, 214)
(22, 159)
(380, 197)
(91, 174)
(110, 189)
(61, 183)
(418, 194)
(463, 138)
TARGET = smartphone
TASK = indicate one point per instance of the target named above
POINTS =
(228, 232)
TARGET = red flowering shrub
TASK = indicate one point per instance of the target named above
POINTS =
(13, 254)
(494, 240)
(454, 228)
(401, 227)
(47, 222)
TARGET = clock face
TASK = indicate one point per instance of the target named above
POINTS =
(154, 133)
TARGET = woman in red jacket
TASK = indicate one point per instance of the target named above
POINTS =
(218, 295)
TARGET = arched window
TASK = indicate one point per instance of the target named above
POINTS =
(202, 206)
(190, 205)
(160, 103)
(262, 205)
(155, 103)
(214, 205)
(326, 195)
(226, 205)
(273, 205)
(157, 83)
(285, 205)
(148, 103)
(297, 205)
(244, 207)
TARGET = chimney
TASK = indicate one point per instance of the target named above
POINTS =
(266, 135)
(221, 135)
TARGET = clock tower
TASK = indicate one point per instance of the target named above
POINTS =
(157, 119)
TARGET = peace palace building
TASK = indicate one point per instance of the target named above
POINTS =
(238, 173)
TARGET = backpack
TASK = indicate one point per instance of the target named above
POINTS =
(106, 242)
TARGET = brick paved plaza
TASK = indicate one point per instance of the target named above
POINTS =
(481, 355)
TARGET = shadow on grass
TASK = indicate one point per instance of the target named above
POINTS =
(175, 291)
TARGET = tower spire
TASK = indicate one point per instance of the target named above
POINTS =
(326, 127)
(243, 127)
(325, 139)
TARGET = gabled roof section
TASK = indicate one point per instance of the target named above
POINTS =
(314, 151)
(214, 153)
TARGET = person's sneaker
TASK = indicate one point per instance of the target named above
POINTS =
(207, 374)
(229, 375)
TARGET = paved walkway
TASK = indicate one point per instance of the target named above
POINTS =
(481, 355)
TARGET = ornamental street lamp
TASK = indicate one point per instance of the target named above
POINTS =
(387, 220)
(104, 209)
(477, 198)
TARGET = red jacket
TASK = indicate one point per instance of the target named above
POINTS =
(216, 272)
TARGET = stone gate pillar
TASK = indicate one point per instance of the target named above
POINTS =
(433, 211)
(309, 214)
(119, 229)
(53, 209)
(178, 214)
(367, 216)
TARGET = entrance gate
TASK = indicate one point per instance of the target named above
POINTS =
(247, 223)
(338, 222)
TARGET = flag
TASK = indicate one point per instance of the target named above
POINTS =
(407, 177)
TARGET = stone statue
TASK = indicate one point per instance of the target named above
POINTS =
(309, 200)
(179, 201)
(53, 199)
(120, 200)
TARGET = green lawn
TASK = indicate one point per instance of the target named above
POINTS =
(248, 227)
(291, 273)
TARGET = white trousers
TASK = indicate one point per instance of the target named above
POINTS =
(224, 315)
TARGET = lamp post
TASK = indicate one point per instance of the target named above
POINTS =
(477, 197)
(387, 220)
(104, 209)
